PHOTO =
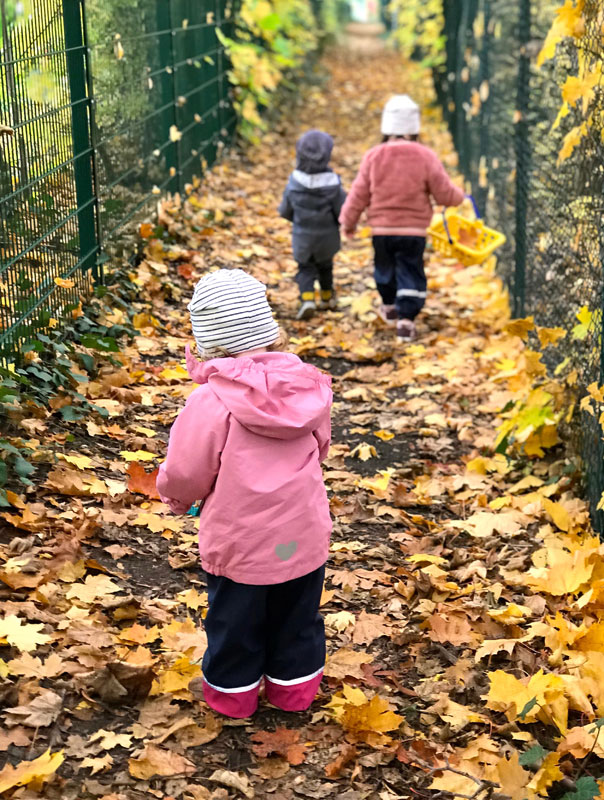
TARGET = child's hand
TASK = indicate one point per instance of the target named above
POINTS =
(348, 234)
(176, 506)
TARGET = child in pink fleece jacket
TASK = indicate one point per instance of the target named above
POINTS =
(249, 444)
(396, 183)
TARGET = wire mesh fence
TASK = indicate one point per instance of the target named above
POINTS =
(103, 106)
(503, 112)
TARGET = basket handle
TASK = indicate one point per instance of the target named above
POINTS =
(446, 224)
(474, 206)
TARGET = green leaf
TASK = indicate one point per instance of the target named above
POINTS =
(104, 343)
(3, 499)
(71, 414)
(533, 756)
(271, 22)
(87, 361)
(598, 723)
(22, 467)
(3, 477)
(586, 788)
(528, 708)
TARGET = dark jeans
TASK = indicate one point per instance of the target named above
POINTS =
(308, 273)
(273, 630)
(399, 273)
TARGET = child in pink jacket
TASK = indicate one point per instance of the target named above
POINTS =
(396, 183)
(249, 444)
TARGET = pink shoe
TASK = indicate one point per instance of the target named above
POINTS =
(388, 315)
(405, 330)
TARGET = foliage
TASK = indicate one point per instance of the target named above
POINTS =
(464, 592)
(273, 41)
(577, 28)
(419, 30)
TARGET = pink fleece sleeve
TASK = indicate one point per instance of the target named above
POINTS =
(358, 198)
(323, 435)
(196, 441)
(440, 186)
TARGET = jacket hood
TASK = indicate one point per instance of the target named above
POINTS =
(318, 180)
(272, 394)
(313, 151)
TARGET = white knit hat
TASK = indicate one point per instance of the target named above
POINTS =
(400, 116)
(229, 311)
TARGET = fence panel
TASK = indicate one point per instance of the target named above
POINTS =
(503, 114)
(110, 104)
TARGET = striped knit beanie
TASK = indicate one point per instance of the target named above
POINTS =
(230, 312)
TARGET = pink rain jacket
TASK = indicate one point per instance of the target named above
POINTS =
(249, 443)
(396, 182)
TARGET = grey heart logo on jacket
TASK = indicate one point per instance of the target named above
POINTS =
(285, 551)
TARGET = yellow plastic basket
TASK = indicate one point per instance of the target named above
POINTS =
(448, 234)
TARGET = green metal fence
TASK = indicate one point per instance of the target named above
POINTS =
(110, 104)
(502, 111)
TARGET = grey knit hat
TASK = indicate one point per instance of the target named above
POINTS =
(230, 312)
(313, 151)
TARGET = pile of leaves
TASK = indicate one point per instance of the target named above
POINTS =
(464, 594)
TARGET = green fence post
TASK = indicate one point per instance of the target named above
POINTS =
(168, 89)
(523, 158)
(80, 126)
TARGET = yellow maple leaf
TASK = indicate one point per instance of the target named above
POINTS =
(28, 771)
(176, 678)
(385, 436)
(22, 635)
(580, 331)
(364, 451)
(580, 88)
(513, 779)
(138, 455)
(520, 327)
(177, 373)
(193, 599)
(558, 514)
(571, 141)
(94, 587)
(340, 620)
(548, 774)
(550, 336)
(511, 614)
(378, 485)
(81, 462)
(64, 283)
(568, 22)
(362, 718)
(541, 697)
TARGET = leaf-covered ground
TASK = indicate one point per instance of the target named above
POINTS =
(464, 591)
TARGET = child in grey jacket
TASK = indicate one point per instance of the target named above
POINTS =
(312, 200)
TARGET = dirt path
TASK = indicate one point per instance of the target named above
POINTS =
(414, 574)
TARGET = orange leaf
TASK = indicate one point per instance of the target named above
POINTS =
(142, 482)
(283, 742)
(185, 271)
(347, 754)
(146, 230)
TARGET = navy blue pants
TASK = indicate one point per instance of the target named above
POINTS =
(309, 272)
(399, 273)
(272, 632)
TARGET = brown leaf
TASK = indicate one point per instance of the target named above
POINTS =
(282, 742)
(17, 736)
(41, 712)
(118, 682)
(369, 627)
(142, 482)
(158, 761)
(334, 769)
